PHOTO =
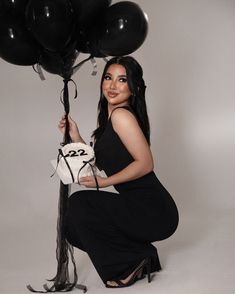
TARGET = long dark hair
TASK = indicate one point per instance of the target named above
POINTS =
(137, 101)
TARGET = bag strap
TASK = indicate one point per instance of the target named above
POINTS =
(92, 169)
(96, 181)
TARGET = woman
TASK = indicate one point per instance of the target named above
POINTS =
(117, 229)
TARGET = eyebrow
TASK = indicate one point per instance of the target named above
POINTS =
(120, 76)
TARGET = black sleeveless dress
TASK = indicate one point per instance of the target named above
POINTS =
(117, 229)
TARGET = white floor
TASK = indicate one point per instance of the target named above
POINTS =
(198, 259)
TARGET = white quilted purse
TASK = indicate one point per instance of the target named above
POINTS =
(75, 160)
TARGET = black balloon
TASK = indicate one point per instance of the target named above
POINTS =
(88, 11)
(124, 29)
(16, 44)
(51, 21)
(12, 6)
(55, 63)
(88, 15)
(88, 43)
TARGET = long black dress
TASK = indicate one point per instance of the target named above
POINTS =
(116, 229)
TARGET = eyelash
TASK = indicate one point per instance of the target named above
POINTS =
(107, 78)
(123, 80)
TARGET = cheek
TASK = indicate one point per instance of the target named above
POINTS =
(125, 89)
(104, 86)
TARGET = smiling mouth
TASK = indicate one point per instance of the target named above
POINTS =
(112, 94)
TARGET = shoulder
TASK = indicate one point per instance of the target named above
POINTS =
(122, 117)
(125, 123)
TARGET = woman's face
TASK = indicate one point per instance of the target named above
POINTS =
(115, 87)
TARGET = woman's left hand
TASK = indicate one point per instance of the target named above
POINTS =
(90, 182)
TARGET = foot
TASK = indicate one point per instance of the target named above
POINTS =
(126, 280)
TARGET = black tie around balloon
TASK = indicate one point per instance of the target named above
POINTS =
(59, 63)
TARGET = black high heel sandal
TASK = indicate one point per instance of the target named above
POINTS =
(146, 263)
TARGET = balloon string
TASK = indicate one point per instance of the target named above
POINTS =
(33, 66)
(64, 98)
(67, 138)
(39, 71)
(62, 91)
(74, 69)
(94, 63)
(64, 249)
(78, 66)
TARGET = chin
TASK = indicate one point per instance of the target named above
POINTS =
(113, 101)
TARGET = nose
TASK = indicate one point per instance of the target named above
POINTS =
(113, 85)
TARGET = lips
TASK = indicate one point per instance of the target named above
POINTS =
(112, 94)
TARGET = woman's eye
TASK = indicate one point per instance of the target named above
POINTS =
(107, 77)
(123, 80)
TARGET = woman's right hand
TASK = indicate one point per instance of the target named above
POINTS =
(73, 128)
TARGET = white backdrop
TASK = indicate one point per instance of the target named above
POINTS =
(189, 68)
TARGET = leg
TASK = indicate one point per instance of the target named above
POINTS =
(92, 227)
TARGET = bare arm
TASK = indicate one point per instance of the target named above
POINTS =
(127, 128)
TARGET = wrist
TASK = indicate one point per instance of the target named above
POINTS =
(106, 182)
(76, 138)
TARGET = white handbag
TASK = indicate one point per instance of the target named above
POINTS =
(75, 160)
